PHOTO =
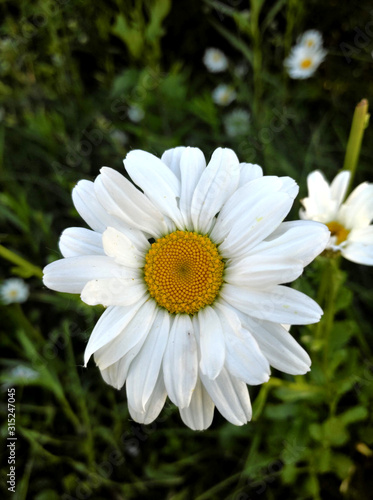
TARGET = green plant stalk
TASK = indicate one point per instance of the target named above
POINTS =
(257, 56)
(80, 397)
(359, 124)
(329, 311)
(21, 262)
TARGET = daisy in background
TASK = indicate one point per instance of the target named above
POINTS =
(223, 94)
(191, 269)
(135, 113)
(215, 60)
(306, 56)
(14, 290)
(237, 122)
(312, 39)
(349, 221)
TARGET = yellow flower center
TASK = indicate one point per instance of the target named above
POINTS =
(184, 272)
(340, 232)
(309, 43)
(306, 63)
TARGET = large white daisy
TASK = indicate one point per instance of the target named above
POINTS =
(190, 269)
(348, 221)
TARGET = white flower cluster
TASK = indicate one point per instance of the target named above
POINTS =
(306, 56)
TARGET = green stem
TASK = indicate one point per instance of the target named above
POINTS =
(326, 297)
(17, 315)
(359, 124)
(257, 56)
(80, 398)
(30, 269)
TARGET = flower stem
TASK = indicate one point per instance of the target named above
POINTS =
(359, 123)
(26, 268)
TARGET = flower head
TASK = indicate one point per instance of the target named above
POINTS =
(237, 122)
(223, 94)
(14, 290)
(306, 56)
(215, 61)
(135, 113)
(312, 39)
(191, 269)
(349, 221)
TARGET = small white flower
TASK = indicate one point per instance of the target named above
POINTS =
(191, 267)
(303, 61)
(135, 113)
(215, 61)
(312, 39)
(223, 94)
(237, 122)
(348, 221)
(23, 372)
(119, 137)
(14, 290)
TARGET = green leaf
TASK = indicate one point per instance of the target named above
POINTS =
(158, 10)
(130, 34)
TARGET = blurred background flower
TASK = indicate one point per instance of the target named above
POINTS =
(14, 290)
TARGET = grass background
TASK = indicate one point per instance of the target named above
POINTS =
(69, 72)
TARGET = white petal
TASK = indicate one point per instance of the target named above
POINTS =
(319, 205)
(180, 361)
(113, 375)
(199, 414)
(133, 333)
(298, 240)
(339, 185)
(249, 172)
(244, 359)
(230, 396)
(112, 322)
(357, 212)
(259, 221)
(261, 271)
(91, 210)
(217, 183)
(113, 291)
(76, 241)
(124, 200)
(255, 210)
(278, 346)
(122, 249)
(145, 367)
(211, 342)
(192, 165)
(171, 158)
(153, 406)
(360, 253)
(157, 181)
(279, 304)
(72, 274)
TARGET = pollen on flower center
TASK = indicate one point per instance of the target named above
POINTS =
(306, 63)
(184, 272)
(340, 232)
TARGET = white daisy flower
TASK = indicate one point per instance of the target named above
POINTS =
(312, 39)
(303, 61)
(191, 270)
(135, 113)
(237, 122)
(223, 94)
(349, 221)
(215, 61)
(14, 290)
